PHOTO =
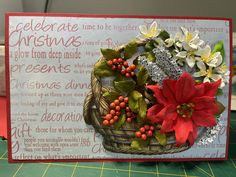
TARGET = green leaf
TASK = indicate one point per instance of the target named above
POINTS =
(120, 122)
(134, 97)
(149, 46)
(164, 35)
(142, 108)
(110, 54)
(130, 49)
(124, 86)
(111, 95)
(161, 138)
(102, 69)
(142, 75)
(219, 47)
(219, 92)
(150, 56)
(135, 145)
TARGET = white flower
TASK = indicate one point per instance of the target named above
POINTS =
(212, 74)
(190, 41)
(211, 59)
(150, 32)
(173, 40)
(187, 57)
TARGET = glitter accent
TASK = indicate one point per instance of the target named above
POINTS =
(211, 133)
(163, 68)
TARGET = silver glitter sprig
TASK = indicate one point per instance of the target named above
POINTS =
(211, 133)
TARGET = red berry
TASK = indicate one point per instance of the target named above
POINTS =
(132, 67)
(127, 75)
(120, 60)
(138, 134)
(117, 102)
(125, 64)
(147, 127)
(119, 67)
(126, 99)
(114, 61)
(113, 112)
(144, 137)
(113, 67)
(127, 109)
(115, 118)
(118, 113)
(152, 128)
(117, 108)
(149, 133)
(122, 72)
(128, 70)
(108, 116)
(121, 98)
(142, 130)
(109, 62)
(128, 114)
(129, 119)
(111, 121)
(105, 122)
(132, 73)
(122, 104)
(112, 105)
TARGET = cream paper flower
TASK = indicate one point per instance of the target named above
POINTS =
(190, 41)
(214, 74)
(147, 33)
(186, 56)
(173, 40)
(211, 59)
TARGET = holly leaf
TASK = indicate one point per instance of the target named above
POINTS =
(142, 108)
(150, 56)
(101, 69)
(161, 138)
(111, 95)
(142, 75)
(110, 54)
(124, 85)
(133, 101)
(219, 47)
(121, 121)
(164, 35)
(130, 49)
(135, 145)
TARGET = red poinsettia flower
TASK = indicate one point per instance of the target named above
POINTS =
(182, 106)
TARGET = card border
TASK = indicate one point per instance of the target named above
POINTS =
(7, 15)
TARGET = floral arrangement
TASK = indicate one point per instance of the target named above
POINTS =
(164, 89)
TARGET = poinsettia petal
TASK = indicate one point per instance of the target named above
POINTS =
(182, 129)
(167, 113)
(211, 88)
(205, 103)
(185, 88)
(200, 90)
(192, 136)
(201, 118)
(157, 94)
(152, 113)
(168, 90)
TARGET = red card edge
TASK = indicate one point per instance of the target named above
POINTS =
(7, 15)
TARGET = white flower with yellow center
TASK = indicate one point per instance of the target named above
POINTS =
(147, 33)
(173, 40)
(187, 57)
(211, 59)
(212, 74)
(190, 41)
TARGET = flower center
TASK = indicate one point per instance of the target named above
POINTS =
(189, 37)
(185, 110)
(209, 72)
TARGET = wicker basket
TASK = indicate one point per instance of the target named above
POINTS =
(119, 141)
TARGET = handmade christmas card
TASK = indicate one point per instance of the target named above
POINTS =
(122, 88)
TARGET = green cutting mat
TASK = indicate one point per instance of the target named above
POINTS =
(115, 169)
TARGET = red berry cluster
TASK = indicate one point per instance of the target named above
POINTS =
(122, 66)
(115, 110)
(145, 131)
(129, 114)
